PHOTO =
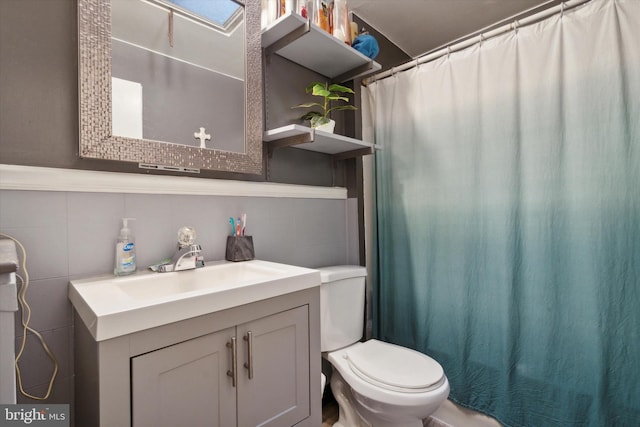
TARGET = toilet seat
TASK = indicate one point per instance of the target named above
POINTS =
(393, 367)
(379, 395)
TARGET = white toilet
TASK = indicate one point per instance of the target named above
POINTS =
(376, 384)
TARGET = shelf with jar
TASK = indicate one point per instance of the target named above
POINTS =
(295, 38)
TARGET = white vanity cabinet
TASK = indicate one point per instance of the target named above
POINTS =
(254, 374)
(253, 365)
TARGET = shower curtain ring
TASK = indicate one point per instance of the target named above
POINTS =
(448, 52)
(561, 10)
(515, 26)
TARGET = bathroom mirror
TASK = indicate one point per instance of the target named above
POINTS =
(209, 112)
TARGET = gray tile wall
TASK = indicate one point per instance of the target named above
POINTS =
(69, 235)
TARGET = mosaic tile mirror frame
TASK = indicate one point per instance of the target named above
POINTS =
(95, 98)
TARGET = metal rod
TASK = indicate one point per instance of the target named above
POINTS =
(249, 364)
(171, 27)
(516, 21)
(234, 359)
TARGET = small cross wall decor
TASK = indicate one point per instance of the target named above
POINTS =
(202, 136)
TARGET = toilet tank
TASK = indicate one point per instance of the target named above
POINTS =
(341, 306)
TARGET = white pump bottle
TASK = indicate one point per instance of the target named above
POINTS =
(125, 250)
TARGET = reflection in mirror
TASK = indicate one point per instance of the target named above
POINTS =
(178, 66)
(171, 82)
(221, 13)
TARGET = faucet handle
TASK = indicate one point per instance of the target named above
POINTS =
(197, 252)
(187, 256)
(186, 236)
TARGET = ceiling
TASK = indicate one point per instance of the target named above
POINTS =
(419, 26)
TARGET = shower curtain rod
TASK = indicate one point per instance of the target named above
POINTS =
(494, 30)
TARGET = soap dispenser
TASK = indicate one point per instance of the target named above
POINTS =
(125, 250)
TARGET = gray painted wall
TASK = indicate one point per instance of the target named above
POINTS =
(69, 235)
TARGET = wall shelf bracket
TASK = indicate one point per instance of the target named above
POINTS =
(362, 70)
(286, 39)
(288, 141)
(353, 153)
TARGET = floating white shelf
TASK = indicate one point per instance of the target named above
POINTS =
(294, 38)
(314, 140)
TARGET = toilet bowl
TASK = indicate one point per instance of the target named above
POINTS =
(375, 383)
(388, 385)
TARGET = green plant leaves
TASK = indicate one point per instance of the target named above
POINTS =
(308, 105)
(330, 93)
(324, 90)
(319, 121)
(311, 115)
(342, 107)
(320, 90)
(338, 88)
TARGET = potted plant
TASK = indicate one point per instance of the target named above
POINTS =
(320, 119)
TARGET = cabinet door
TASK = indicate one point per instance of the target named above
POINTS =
(277, 395)
(185, 384)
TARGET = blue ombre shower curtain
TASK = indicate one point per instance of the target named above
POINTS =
(508, 218)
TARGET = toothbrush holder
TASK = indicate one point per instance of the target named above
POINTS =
(240, 248)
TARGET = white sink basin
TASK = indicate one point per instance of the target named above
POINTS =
(112, 306)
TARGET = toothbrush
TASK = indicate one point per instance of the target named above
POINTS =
(244, 222)
(233, 226)
(238, 227)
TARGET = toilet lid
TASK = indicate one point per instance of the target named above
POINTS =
(393, 367)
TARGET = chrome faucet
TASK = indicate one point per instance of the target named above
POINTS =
(188, 256)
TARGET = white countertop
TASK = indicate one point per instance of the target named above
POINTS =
(112, 306)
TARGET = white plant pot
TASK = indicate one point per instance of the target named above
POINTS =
(327, 127)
